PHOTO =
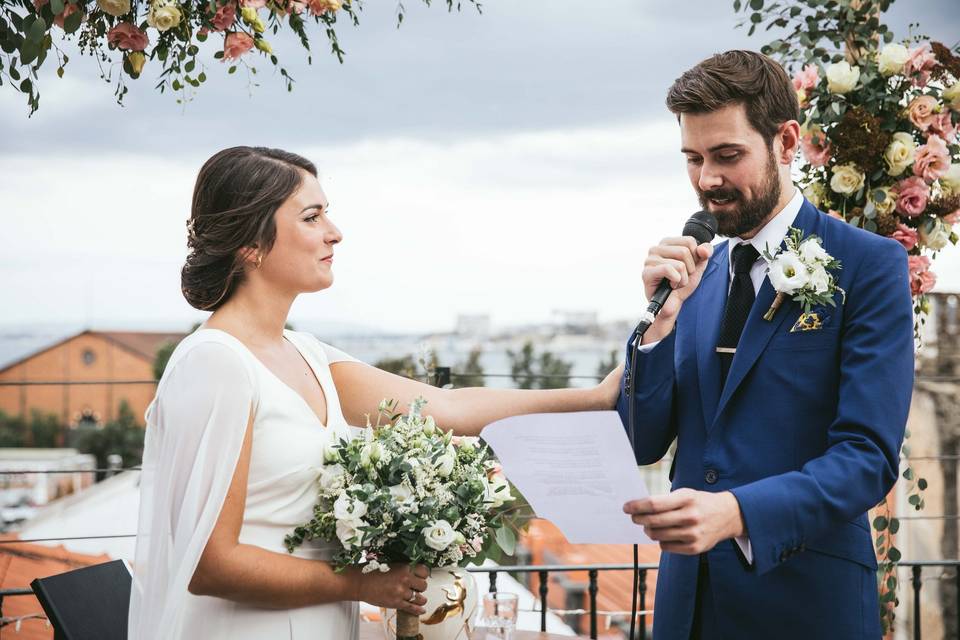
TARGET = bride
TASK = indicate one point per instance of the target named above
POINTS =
(242, 413)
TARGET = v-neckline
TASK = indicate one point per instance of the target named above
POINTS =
(313, 371)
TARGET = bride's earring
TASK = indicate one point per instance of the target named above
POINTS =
(259, 260)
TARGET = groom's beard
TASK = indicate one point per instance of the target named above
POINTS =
(745, 214)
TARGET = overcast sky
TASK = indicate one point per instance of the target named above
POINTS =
(512, 162)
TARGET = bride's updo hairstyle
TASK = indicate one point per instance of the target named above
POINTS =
(237, 192)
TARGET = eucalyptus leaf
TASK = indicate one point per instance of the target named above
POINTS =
(507, 540)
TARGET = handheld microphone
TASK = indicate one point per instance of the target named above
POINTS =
(702, 226)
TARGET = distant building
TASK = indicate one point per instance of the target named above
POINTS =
(30, 477)
(119, 362)
(576, 321)
(473, 324)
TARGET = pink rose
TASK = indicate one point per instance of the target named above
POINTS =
(127, 37)
(922, 279)
(952, 218)
(225, 16)
(806, 78)
(833, 213)
(319, 7)
(932, 160)
(922, 112)
(942, 125)
(236, 44)
(920, 63)
(58, 19)
(905, 236)
(814, 150)
(912, 195)
(256, 4)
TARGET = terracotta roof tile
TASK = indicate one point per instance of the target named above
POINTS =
(20, 564)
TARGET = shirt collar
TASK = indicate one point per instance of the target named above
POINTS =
(772, 233)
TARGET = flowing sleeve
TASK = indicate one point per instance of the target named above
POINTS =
(195, 430)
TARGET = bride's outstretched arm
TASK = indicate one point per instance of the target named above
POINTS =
(466, 411)
(246, 573)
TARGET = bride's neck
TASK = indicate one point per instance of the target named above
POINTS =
(257, 318)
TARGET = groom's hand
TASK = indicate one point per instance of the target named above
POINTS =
(688, 521)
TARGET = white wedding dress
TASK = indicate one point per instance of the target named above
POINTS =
(195, 429)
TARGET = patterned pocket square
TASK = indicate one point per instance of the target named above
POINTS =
(812, 321)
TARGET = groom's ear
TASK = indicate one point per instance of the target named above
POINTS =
(787, 142)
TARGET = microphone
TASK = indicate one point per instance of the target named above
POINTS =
(702, 227)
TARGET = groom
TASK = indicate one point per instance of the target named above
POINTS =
(787, 431)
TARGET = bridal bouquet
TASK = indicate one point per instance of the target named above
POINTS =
(409, 492)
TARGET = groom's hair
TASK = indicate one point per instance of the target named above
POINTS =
(738, 77)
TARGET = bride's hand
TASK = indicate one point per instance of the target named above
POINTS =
(400, 588)
(609, 389)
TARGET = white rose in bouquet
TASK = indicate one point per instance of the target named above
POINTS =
(439, 535)
(891, 59)
(847, 179)
(347, 508)
(899, 153)
(937, 237)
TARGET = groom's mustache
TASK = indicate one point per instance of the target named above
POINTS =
(720, 194)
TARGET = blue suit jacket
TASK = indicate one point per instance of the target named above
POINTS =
(806, 434)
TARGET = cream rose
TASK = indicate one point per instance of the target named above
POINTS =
(114, 7)
(163, 15)
(347, 508)
(937, 237)
(439, 535)
(332, 477)
(950, 181)
(899, 153)
(842, 78)
(886, 204)
(847, 179)
(444, 464)
(952, 96)
(496, 491)
(348, 531)
(816, 193)
(892, 58)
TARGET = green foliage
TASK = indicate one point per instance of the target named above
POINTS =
(471, 370)
(161, 358)
(42, 430)
(611, 362)
(543, 371)
(122, 435)
(405, 366)
(29, 35)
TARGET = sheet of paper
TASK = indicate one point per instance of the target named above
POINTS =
(575, 469)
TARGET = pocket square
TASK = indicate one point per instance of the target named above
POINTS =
(812, 321)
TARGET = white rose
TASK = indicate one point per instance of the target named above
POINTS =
(347, 508)
(952, 96)
(163, 15)
(332, 477)
(331, 453)
(467, 442)
(938, 237)
(350, 529)
(402, 495)
(444, 465)
(899, 153)
(842, 78)
(847, 179)
(950, 181)
(820, 279)
(439, 535)
(114, 7)
(370, 453)
(815, 193)
(892, 58)
(888, 204)
(788, 274)
(497, 491)
(812, 251)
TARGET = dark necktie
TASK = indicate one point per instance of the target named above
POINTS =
(738, 306)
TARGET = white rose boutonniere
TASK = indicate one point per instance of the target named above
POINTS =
(802, 270)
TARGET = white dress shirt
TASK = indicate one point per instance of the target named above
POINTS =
(767, 239)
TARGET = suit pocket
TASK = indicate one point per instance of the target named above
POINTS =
(849, 541)
(804, 340)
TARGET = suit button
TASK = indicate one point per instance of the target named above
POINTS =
(783, 556)
(711, 476)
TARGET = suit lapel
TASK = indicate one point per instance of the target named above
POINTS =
(757, 332)
(712, 296)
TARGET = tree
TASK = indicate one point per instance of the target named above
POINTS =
(404, 366)
(13, 430)
(606, 366)
(471, 370)
(164, 32)
(161, 358)
(121, 436)
(530, 371)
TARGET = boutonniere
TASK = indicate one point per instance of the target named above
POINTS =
(802, 270)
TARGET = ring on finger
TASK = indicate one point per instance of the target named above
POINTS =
(413, 596)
